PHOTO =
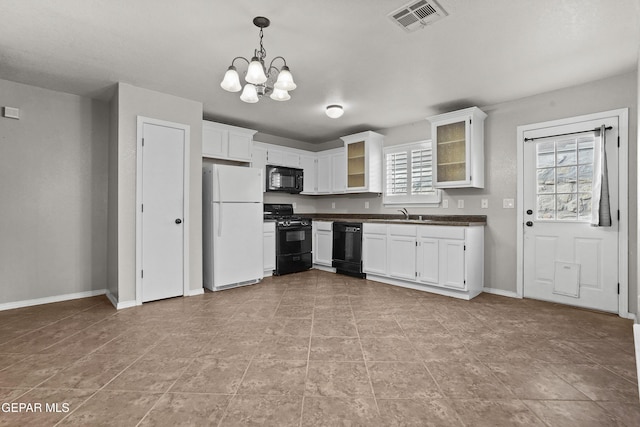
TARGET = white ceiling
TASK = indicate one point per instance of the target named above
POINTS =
(339, 51)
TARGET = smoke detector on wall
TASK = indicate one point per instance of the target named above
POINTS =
(417, 14)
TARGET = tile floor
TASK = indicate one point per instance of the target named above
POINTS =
(319, 349)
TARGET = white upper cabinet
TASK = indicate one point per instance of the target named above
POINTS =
(458, 148)
(308, 163)
(363, 162)
(331, 174)
(283, 157)
(259, 160)
(324, 173)
(338, 172)
(222, 141)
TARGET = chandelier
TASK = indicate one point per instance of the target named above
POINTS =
(260, 80)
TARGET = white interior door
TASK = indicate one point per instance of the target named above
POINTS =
(162, 212)
(565, 259)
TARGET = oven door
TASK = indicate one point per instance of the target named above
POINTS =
(293, 240)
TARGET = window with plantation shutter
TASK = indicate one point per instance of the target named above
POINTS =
(408, 174)
(397, 173)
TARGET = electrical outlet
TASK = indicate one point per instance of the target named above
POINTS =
(333, 205)
(445, 204)
(484, 204)
(461, 204)
(508, 204)
(366, 205)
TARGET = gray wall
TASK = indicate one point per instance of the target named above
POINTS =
(112, 220)
(132, 102)
(53, 192)
(501, 169)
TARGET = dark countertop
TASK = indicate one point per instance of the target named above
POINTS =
(450, 220)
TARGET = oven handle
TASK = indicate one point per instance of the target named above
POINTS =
(302, 227)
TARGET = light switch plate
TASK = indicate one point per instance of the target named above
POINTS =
(445, 204)
(508, 204)
(333, 205)
(294, 205)
(11, 113)
(484, 204)
(461, 204)
(366, 205)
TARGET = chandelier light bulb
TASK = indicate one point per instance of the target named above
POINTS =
(249, 94)
(231, 81)
(280, 95)
(335, 111)
(255, 72)
(285, 80)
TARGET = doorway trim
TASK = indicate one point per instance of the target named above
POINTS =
(623, 187)
(141, 121)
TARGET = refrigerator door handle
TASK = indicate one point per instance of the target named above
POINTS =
(219, 204)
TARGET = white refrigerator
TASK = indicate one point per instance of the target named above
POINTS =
(232, 226)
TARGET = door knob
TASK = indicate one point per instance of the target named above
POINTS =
(178, 221)
(529, 224)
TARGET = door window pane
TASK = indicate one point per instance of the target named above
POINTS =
(584, 206)
(546, 180)
(564, 179)
(546, 207)
(566, 206)
(566, 153)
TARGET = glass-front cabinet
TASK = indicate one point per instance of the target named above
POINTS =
(363, 162)
(458, 148)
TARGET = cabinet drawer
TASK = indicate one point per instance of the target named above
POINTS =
(369, 228)
(323, 225)
(441, 232)
(402, 230)
(269, 227)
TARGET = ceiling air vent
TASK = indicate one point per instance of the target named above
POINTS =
(417, 14)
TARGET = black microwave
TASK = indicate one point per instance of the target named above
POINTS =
(284, 179)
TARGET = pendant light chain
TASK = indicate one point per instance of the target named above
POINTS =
(262, 53)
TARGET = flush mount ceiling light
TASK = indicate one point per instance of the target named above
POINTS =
(334, 111)
(260, 80)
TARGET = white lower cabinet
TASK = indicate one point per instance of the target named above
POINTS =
(451, 266)
(374, 248)
(440, 259)
(401, 252)
(428, 260)
(322, 243)
(269, 249)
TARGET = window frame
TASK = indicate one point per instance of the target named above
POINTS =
(430, 199)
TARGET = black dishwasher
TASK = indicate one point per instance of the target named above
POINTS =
(347, 248)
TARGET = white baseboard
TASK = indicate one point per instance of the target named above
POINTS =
(194, 292)
(48, 300)
(120, 305)
(501, 292)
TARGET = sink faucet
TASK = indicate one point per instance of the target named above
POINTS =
(405, 212)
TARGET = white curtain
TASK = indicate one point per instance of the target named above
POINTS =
(600, 207)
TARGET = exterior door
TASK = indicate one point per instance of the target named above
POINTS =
(162, 212)
(566, 259)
